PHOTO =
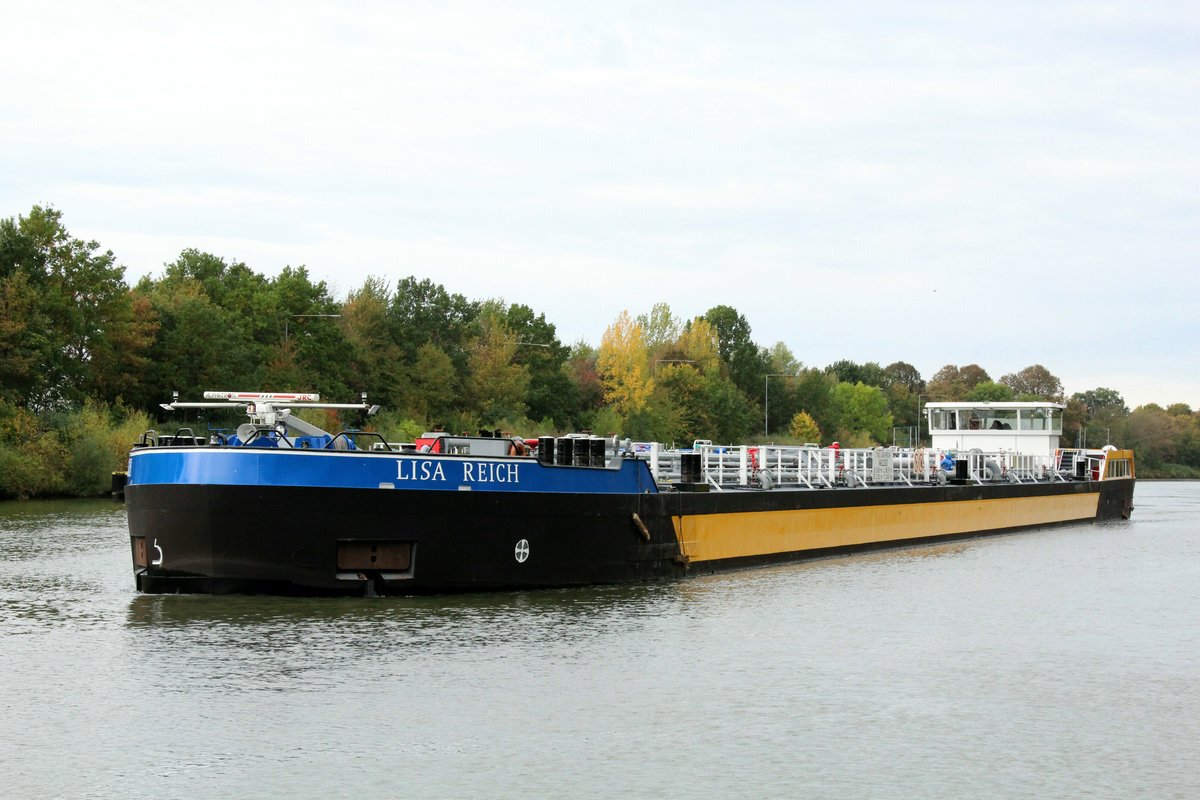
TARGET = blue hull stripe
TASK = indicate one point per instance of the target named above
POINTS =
(269, 467)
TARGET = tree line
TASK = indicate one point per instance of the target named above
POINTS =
(85, 360)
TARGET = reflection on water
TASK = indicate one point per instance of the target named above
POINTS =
(1055, 663)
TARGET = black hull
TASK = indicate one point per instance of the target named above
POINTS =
(280, 540)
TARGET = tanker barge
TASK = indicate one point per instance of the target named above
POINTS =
(284, 507)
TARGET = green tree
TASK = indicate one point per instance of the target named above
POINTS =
(863, 414)
(1091, 416)
(240, 292)
(496, 384)
(902, 385)
(422, 311)
(676, 410)
(812, 391)
(432, 386)
(1102, 403)
(323, 355)
(869, 373)
(780, 390)
(988, 391)
(375, 356)
(199, 346)
(1187, 436)
(746, 361)
(1151, 432)
(60, 296)
(552, 394)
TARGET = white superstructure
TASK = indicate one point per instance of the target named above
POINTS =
(1030, 428)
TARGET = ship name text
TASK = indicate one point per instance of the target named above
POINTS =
(479, 472)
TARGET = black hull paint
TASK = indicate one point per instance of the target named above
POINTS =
(280, 540)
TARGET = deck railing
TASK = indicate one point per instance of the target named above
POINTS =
(769, 466)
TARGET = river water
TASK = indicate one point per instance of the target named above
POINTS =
(1054, 663)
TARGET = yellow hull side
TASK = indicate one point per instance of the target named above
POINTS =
(711, 537)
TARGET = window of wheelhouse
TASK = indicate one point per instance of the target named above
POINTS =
(1035, 419)
(998, 419)
(1041, 419)
(942, 419)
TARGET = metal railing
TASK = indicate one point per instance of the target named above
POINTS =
(769, 466)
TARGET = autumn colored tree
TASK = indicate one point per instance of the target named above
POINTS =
(581, 369)
(698, 344)
(951, 383)
(804, 428)
(120, 359)
(1036, 383)
(623, 366)
(901, 373)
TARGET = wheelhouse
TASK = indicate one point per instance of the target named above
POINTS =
(1030, 427)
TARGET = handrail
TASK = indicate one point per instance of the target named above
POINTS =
(812, 467)
(191, 437)
(349, 437)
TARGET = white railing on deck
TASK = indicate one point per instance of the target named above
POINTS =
(814, 468)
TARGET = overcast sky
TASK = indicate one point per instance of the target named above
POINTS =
(1000, 183)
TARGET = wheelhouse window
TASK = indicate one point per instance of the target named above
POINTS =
(998, 419)
(941, 419)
